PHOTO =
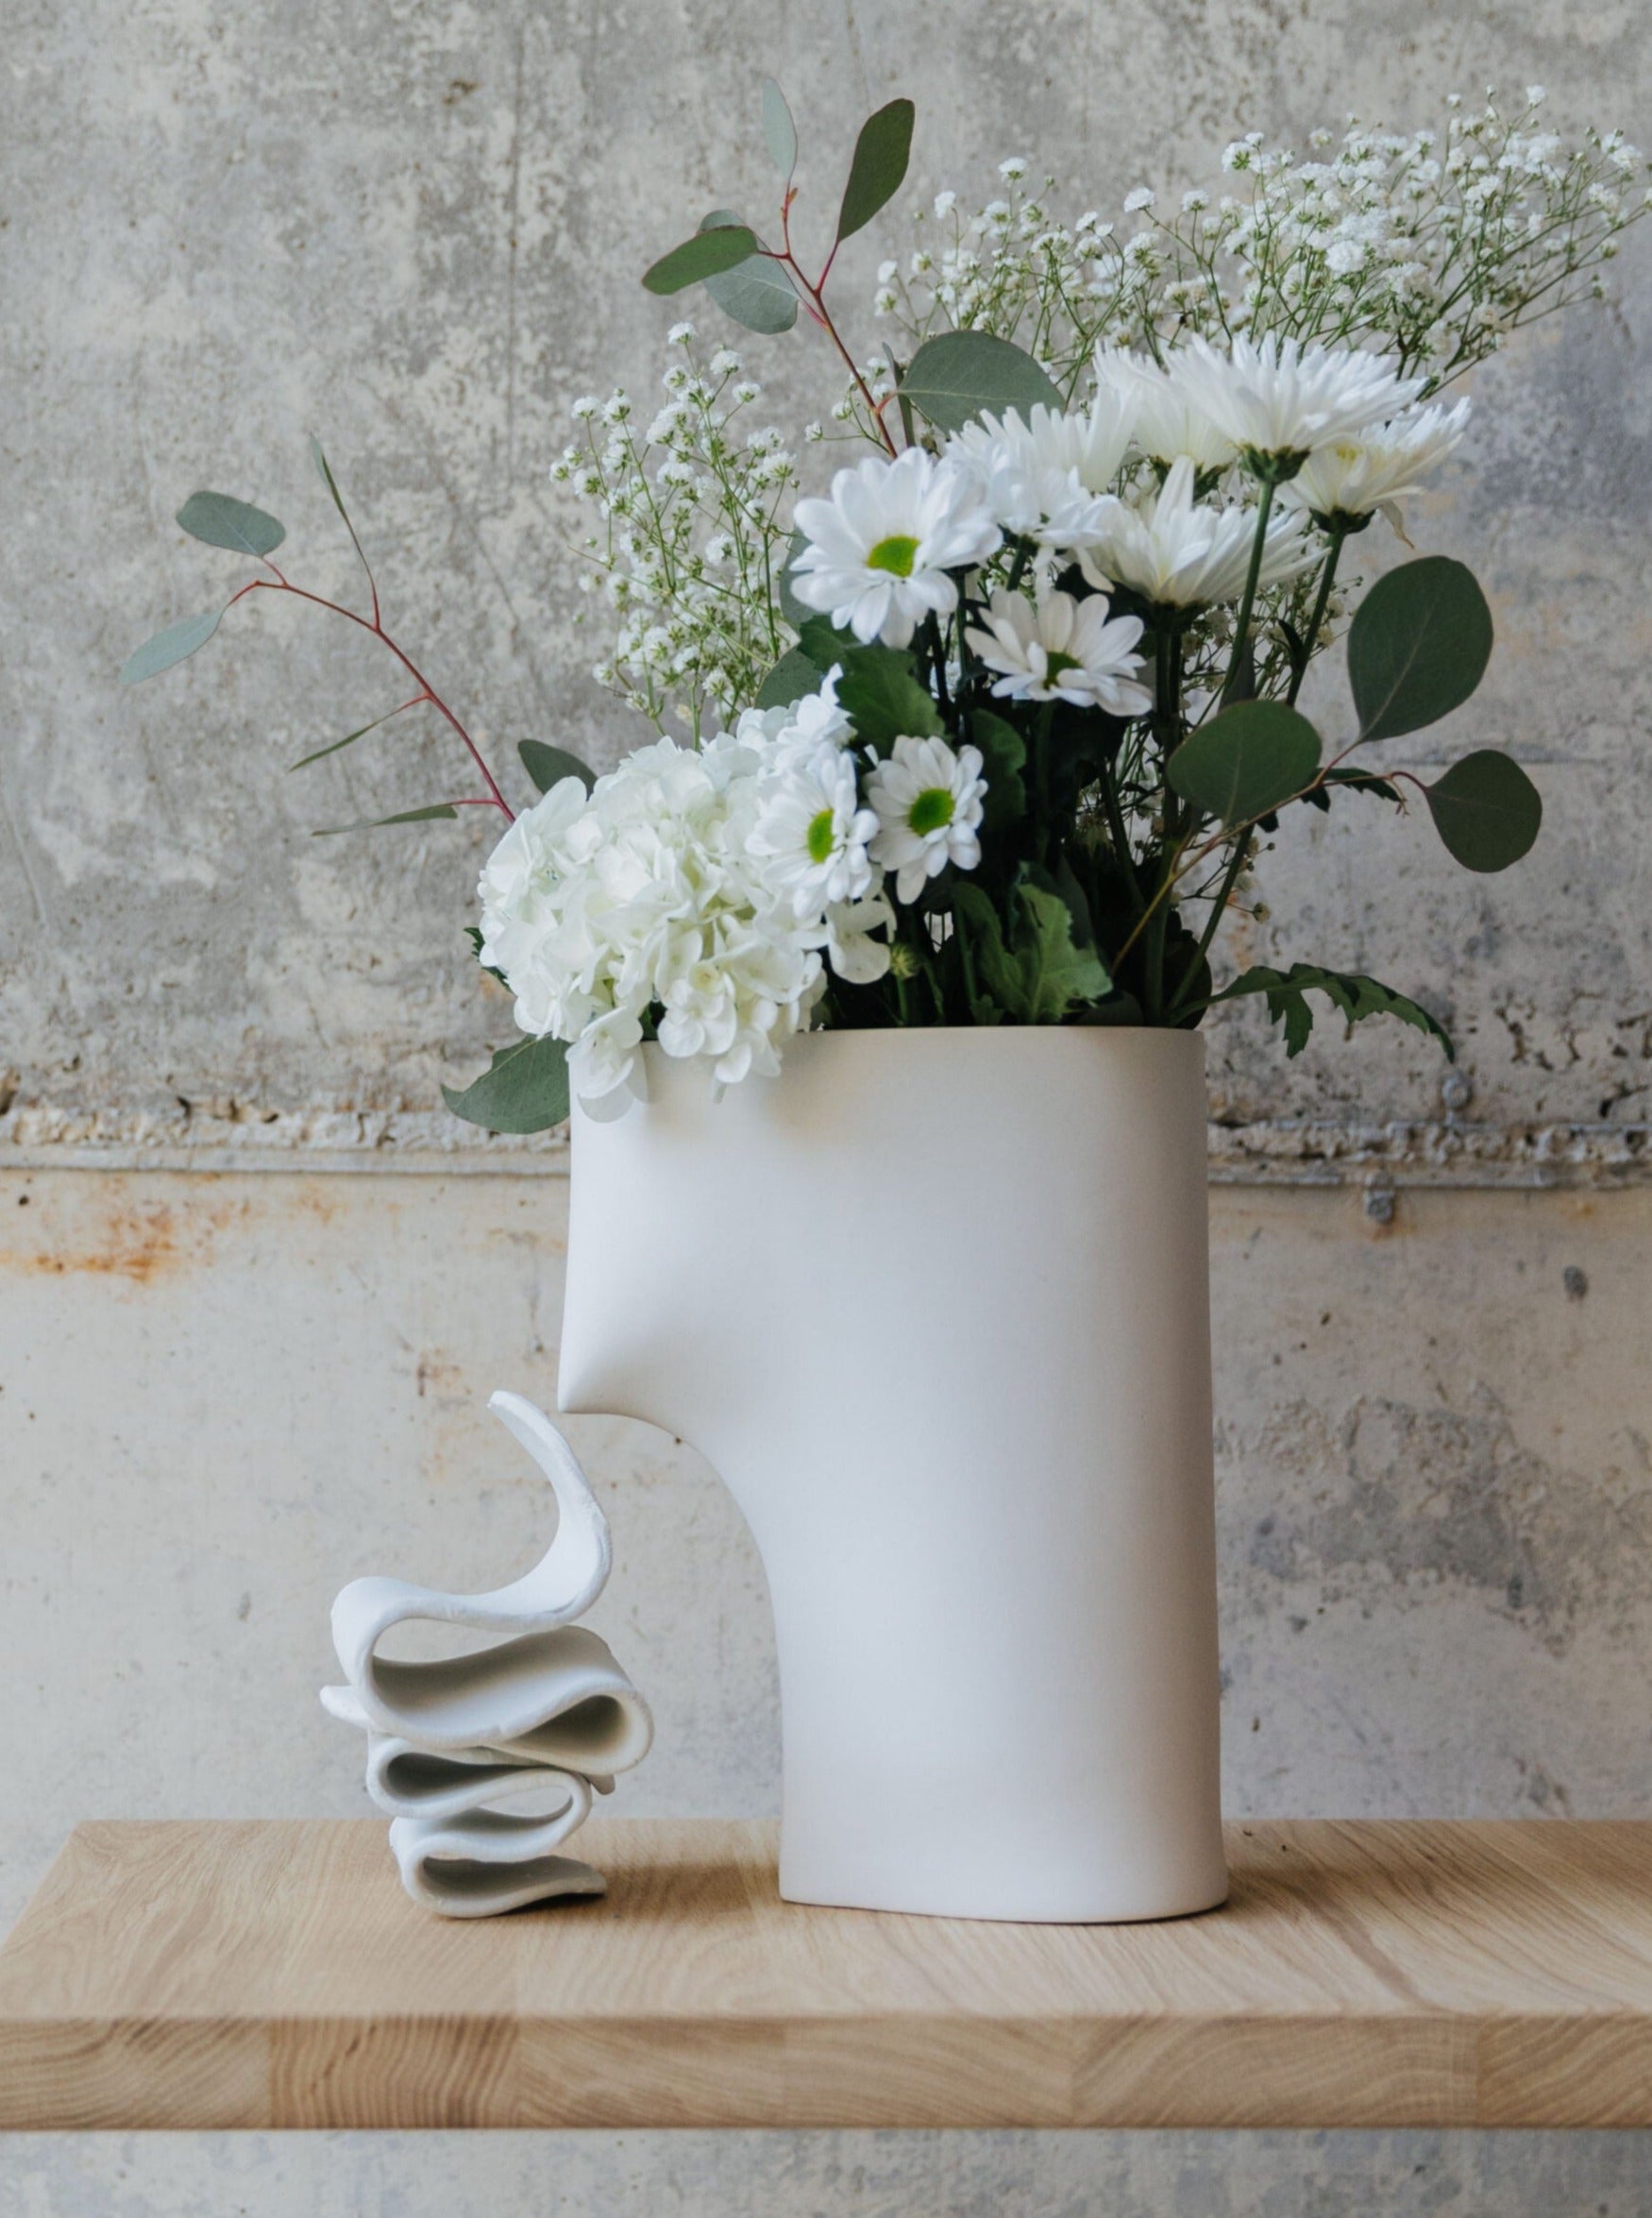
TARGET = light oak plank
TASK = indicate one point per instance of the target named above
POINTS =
(274, 1975)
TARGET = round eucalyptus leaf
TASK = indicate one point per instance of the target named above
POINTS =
(955, 375)
(525, 1089)
(1246, 761)
(1486, 810)
(1418, 645)
(700, 257)
(173, 645)
(756, 293)
(221, 521)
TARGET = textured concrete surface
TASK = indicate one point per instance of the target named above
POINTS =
(415, 228)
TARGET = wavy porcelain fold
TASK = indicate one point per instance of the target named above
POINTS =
(544, 1713)
(489, 1863)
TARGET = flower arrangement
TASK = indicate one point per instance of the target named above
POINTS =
(991, 727)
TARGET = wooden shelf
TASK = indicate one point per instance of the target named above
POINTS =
(273, 1974)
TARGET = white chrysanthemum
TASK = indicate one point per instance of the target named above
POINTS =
(1380, 468)
(1164, 422)
(1091, 442)
(813, 832)
(1183, 554)
(929, 805)
(878, 551)
(1063, 649)
(1278, 402)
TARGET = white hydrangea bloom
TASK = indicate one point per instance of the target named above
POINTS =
(1185, 553)
(1063, 649)
(929, 802)
(878, 551)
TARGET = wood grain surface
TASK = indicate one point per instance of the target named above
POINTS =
(274, 1976)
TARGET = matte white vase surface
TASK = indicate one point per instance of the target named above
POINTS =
(934, 1304)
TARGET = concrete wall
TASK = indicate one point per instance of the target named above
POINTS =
(253, 1291)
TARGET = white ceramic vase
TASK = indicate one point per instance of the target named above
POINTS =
(934, 1304)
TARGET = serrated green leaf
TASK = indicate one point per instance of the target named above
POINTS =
(699, 258)
(792, 676)
(1003, 756)
(547, 766)
(1040, 975)
(1347, 780)
(756, 293)
(955, 375)
(1418, 645)
(780, 134)
(525, 1089)
(1486, 810)
(883, 700)
(175, 644)
(406, 816)
(1355, 994)
(219, 519)
(882, 153)
(1246, 761)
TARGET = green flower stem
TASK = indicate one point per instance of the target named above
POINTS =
(1321, 601)
(1236, 863)
(1248, 601)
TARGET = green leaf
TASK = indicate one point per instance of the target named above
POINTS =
(1003, 756)
(406, 816)
(525, 1089)
(1355, 996)
(1040, 975)
(1347, 780)
(175, 644)
(221, 521)
(792, 676)
(547, 766)
(756, 293)
(325, 473)
(794, 610)
(823, 643)
(1418, 645)
(881, 154)
(699, 258)
(1245, 761)
(780, 134)
(1486, 809)
(955, 375)
(883, 700)
(350, 739)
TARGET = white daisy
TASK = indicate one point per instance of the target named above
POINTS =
(1164, 422)
(880, 548)
(929, 805)
(1378, 468)
(1063, 649)
(1279, 402)
(1182, 554)
(813, 831)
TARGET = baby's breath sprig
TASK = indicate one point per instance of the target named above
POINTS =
(690, 538)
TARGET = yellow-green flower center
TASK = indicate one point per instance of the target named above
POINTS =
(895, 554)
(1056, 664)
(821, 837)
(931, 812)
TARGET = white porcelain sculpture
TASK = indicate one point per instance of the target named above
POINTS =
(545, 1716)
(934, 1303)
